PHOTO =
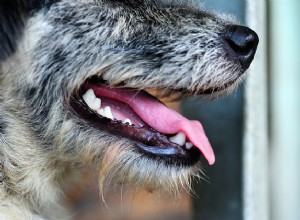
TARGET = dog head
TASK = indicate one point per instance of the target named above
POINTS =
(83, 68)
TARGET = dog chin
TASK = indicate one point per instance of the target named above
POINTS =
(122, 164)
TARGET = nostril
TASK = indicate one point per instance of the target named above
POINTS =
(243, 42)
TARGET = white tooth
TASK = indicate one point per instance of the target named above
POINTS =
(108, 113)
(89, 95)
(127, 121)
(101, 112)
(97, 104)
(188, 145)
(89, 98)
(179, 139)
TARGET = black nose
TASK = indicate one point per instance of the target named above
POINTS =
(243, 41)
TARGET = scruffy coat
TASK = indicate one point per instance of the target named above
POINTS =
(49, 48)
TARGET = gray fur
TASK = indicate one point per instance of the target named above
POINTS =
(138, 44)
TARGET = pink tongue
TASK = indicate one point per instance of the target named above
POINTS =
(159, 117)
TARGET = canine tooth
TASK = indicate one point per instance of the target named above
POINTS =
(127, 121)
(179, 139)
(188, 145)
(90, 99)
(89, 95)
(108, 113)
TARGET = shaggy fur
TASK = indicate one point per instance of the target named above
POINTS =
(51, 49)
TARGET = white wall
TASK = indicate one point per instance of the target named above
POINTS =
(256, 146)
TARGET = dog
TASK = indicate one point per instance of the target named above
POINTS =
(80, 83)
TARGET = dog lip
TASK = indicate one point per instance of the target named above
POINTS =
(171, 153)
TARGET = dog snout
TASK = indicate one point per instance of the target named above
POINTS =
(243, 43)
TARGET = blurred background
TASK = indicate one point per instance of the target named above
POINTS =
(255, 133)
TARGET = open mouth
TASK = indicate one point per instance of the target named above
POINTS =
(157, 131)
